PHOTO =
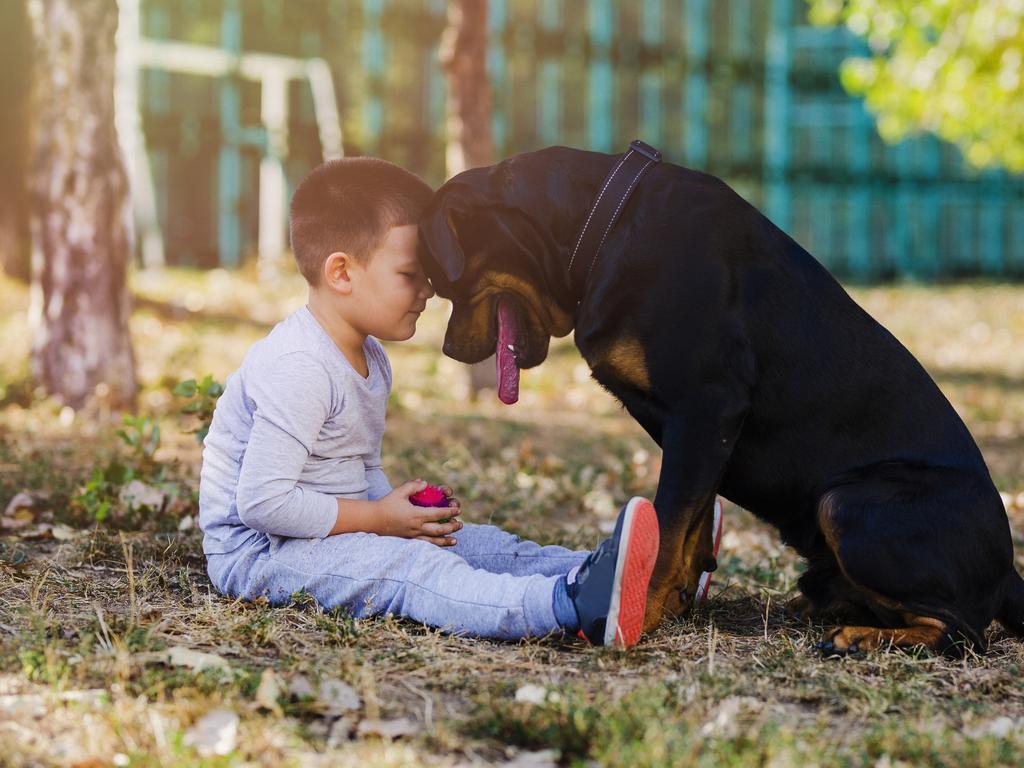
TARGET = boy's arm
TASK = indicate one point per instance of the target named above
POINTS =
(292, 401)
(378, 481)
(354, 516)
(395, 515)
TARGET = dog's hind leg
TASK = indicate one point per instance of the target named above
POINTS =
(826, 594)
(924, 552)
(1011, 611)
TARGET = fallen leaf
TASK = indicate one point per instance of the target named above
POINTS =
(63, 532)
(299, 687)
(600, 502)
(341, 731)
(20, 511)
(545, 758)
(29, 705)
(20, 500)
(725, 722)
(138, 494)
(268, 691)
(1000, 727)
(180, 656)
(532, 694)
(37, 705)
(215, 733)
(338, 697)
(41, 531)
(388, 729)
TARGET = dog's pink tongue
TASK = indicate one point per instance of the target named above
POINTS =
(508, 338)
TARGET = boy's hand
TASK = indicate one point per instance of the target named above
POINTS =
(400, 517)
(452, 502)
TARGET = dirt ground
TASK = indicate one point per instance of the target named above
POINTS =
(115, 650)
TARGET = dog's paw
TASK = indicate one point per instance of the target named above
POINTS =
(845, 641)
(801, 608)
(665, 605)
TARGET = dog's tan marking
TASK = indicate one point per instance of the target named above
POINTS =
(920, 630)
(557, 321)
(480, 322)
(681, 557)
(626, 359)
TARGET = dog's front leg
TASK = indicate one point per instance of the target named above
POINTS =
(696, 444)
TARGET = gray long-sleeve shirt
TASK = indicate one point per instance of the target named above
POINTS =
(296, 428)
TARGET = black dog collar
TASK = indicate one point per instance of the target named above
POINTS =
(615, 191)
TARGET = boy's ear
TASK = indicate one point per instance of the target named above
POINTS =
(337, 272)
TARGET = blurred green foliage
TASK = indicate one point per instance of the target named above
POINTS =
(951, 67)
(202, 399)
(98, 497)
(142, 435)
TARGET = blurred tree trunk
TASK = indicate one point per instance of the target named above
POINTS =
(463, 55)
(15, 74)
(81, 347)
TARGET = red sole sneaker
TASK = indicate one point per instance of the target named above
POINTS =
(638, 551)
(716, 538)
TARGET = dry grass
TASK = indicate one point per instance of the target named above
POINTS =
(86, 619)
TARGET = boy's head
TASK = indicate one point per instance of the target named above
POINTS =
(349, 206)
(354, 235)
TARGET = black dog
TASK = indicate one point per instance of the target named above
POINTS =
(759, 377)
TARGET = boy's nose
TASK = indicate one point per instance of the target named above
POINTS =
(428, 290)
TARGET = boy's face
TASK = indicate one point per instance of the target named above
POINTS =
(390, 290)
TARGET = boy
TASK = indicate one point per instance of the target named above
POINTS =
(292, 495)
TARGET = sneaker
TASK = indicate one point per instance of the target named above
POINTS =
(716, 538)
(610, 590)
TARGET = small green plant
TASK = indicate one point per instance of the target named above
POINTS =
(99, 496)
(142, 436)
(43, 665)
(202, 399)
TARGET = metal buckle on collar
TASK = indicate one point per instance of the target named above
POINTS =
(646, 150)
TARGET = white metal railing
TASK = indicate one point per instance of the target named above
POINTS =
(272, 71)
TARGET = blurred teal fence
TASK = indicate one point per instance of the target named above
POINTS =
(743, 89)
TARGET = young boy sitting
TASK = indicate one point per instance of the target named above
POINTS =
(292, 495)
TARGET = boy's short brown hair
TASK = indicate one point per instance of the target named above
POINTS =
(349, 205)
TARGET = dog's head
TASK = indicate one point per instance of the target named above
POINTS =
(490, 234)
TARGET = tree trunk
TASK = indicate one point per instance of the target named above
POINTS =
(15, 72)
(81, 346)
(463, 55)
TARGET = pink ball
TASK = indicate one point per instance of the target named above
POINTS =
(431, 496)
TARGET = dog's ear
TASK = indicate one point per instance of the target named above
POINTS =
(440, 241)
(454, 204)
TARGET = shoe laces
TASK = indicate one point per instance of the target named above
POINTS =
(604, 550)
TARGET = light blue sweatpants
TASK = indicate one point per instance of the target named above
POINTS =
(490, 584)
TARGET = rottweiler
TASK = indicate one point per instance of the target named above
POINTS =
(758, 376)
